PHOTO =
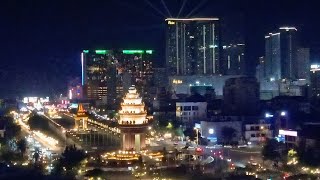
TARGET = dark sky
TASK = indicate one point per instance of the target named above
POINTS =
(40, 40)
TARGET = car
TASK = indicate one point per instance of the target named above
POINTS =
(227, 146)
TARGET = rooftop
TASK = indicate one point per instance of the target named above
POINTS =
(192, 19)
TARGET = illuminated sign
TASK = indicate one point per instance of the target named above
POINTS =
(288, 133)
(85, 51)
(171, 22)
(315, 66)
(177, 81)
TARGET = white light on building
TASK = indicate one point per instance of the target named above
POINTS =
(211, 131)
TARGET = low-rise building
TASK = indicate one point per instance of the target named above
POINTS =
(191, 111)
(257, 133)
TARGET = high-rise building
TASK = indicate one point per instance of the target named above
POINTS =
(280, 54)
(160, 78)
(315, 80)
(192, 46)
(303, 60)
(107, 73)
(233, 59)
(99, 75)
(261, 69)
(137, 65)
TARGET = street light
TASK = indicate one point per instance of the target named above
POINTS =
(283, 113)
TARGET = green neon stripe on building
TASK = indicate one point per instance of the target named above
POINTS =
(132, 51)
(99, 51)
(149, 51)
(137, 51)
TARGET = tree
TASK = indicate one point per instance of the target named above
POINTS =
(270, 150)
(72, 157)
(36, 155)
(191, 133)
(12, 129)
(22, 146)
(228, 133)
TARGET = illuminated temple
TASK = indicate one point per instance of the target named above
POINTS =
(81, 119)
(133, 121)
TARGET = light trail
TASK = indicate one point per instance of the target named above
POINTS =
(181, 9)
(196, 8)
(166, 8)
(37, 135)
(150, 4)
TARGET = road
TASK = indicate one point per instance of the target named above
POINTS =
(43, 141)
(239, 156)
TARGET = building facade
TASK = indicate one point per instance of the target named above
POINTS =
(233, 59)
(107, 74)
(315, 80)
(258, 133)
(182, 84)
(303, 60)
(98, 75)
(280, 54)
(192, 46)
(241, 96)
(191, 111)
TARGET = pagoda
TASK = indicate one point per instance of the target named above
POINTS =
(81, 118)
(133, 121)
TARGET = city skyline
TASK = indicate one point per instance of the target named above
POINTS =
(38, 34)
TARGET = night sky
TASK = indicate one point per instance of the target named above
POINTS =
(40, 41)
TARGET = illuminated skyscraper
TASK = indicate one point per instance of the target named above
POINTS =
(280, 54)
(303, 60)
(99, 75)
(107, 73)
(192, 46)
(133, 121)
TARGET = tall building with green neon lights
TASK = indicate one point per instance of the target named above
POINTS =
(107, 74)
